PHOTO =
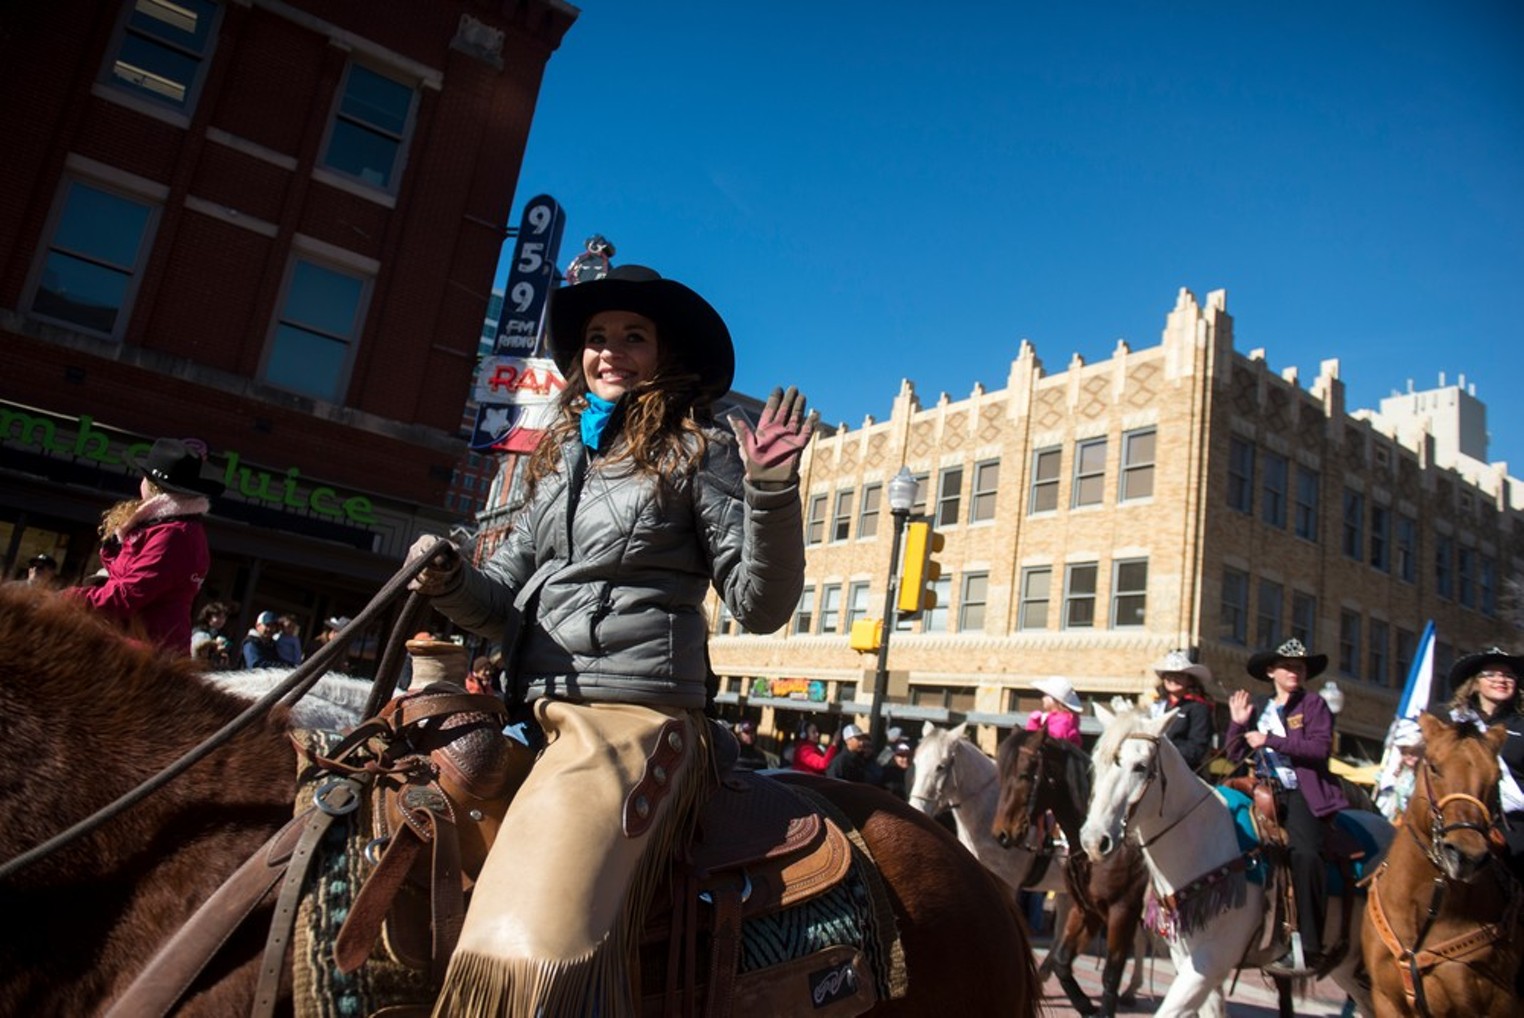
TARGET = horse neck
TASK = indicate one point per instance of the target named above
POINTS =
(1070, 804)
(1183, 828)
(977, 792)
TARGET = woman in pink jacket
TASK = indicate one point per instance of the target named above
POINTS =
(154, 548)
(1059, 714)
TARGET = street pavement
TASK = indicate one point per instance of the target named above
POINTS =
(1253, 997)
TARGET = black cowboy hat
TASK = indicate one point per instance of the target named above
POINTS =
(687, 324)
(1469, 665)
(1292, 650)
(176, 466)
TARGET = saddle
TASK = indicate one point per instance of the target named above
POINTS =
(758, 848)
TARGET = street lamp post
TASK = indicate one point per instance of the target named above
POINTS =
(901, 498)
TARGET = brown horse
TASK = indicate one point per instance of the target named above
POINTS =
(86, 716)
(1038, 773)
(1443, 925)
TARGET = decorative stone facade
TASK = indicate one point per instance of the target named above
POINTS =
(1158, 489)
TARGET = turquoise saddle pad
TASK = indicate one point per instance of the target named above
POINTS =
(1366, 828)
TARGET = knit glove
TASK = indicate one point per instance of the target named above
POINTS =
(771, 453)
(443, 571)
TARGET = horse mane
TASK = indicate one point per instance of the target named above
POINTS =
(1109, 747)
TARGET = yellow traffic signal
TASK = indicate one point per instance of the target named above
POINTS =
(921, 571)
(867, 634)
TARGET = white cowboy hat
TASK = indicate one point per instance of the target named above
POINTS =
(1060, 689)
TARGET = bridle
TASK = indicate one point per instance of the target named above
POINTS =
(1489, 827)
(947, 770)
(1033, 775)
(1148, 780)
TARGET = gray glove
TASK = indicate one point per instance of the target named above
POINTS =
(771, 453)
(442, 574)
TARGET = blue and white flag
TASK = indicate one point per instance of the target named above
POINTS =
(1415, 695)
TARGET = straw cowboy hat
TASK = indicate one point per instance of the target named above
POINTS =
(686, 323)
(1292, 650)
(1469, 665)
(1060, 689)
(178, 467)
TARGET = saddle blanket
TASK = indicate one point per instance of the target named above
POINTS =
(1350, 822)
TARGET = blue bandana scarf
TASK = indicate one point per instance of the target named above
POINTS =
(594, 419)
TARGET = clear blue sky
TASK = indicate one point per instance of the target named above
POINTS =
(874, 191)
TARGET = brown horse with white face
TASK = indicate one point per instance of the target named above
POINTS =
(86, 716)
(1444, 932)
(1039, 774)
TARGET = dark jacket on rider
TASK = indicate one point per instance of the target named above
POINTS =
(1191, 730)
(603, 599)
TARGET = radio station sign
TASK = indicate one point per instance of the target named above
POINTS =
(503, 376)
(80, 439)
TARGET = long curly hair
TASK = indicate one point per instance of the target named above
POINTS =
(657, 426)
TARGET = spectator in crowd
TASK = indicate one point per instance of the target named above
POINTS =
(42, 571)
(750, 757)
(855, 763)
(288, 640)
(154, 547)
(892, 737)
(1059, 713)
(808, 756)
(480, 679)
(208, 643)
(331, 628)
(259, 648)
(897, 773)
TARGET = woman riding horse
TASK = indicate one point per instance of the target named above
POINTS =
(1487, 693)
(637, 505)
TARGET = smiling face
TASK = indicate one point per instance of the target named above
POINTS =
(619, 351)
(1289, 675)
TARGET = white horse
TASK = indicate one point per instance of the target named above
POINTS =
(334, 704)
(1145, 790)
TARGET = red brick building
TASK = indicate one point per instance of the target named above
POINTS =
(268, 224)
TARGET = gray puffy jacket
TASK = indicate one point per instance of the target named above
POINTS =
(609, 604)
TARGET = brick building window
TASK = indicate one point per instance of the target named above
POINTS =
(1036, 589)
(160, 51)
(1234, 625)
(949, 496)
(1444, 566)
(1306, 504)
(1138, 464)
(1381, 538)
(1079, 595)
(815, 520)
(1304, 618)
(319, 322)
(1272, 492)
(1349, 643)
(922, 485)
(857, 604)
(1406, 647)
(830, 607)
(976, 588)
(1129, 593)
(981, 502)
(804, 615)
(1487, 586)
(1465, 575)
(1045, 464)
(1090, 472)
(1267, 628)
(1405, 549)
(90, 271)
(1241, 475)
(369, 131)
(841, 520)
(723, 620)
(1353, 541)
(867, 514)
(1376, 656)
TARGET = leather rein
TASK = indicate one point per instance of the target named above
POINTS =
(1413, 961)
(291, 689)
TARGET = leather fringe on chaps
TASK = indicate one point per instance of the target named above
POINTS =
(558, 911)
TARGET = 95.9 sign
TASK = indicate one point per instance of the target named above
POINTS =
(531, 276)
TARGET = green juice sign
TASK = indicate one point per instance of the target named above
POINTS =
(286, 491)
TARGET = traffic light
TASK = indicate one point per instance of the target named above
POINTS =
(921, 571)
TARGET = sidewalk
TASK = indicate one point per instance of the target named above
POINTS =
(1253, 996)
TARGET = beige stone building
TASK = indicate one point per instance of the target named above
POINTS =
(1182, 495)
